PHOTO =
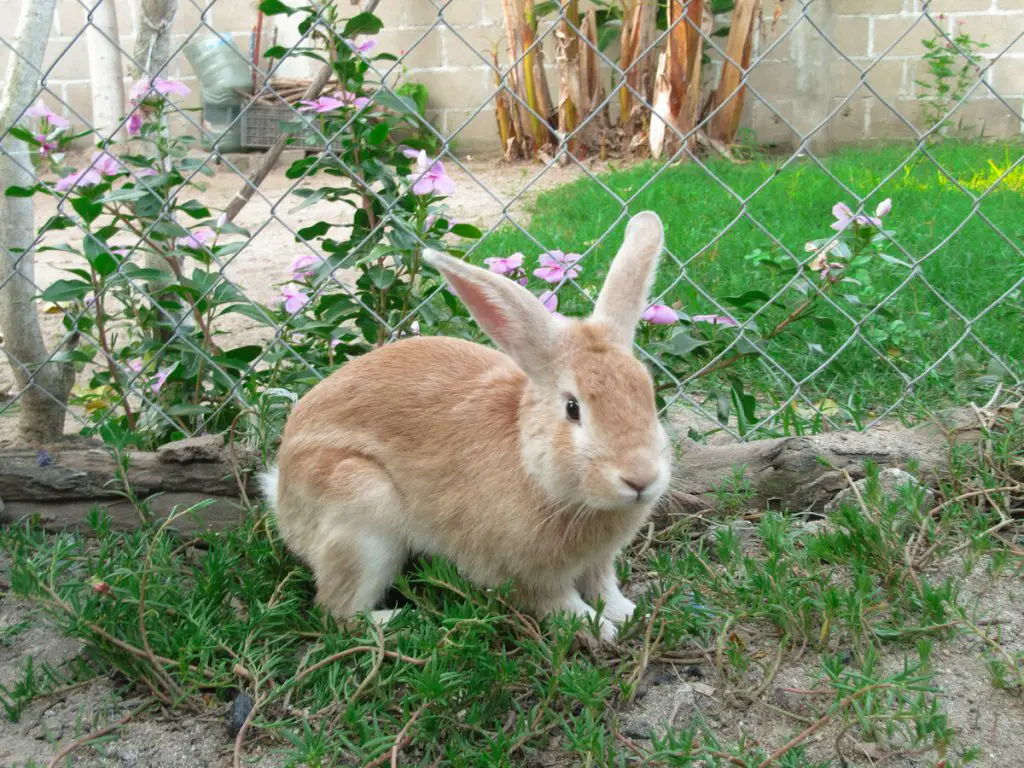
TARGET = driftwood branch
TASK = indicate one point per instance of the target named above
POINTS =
(61, 486)
(802, 474)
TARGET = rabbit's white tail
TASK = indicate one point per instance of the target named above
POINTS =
(268, 482)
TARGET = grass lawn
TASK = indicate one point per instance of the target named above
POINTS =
(889, 634)
(711, 227)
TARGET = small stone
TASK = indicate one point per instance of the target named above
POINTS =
(638, 729)
(239, 712)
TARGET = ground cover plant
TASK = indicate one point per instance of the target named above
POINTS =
(772, 260)
(778, 640)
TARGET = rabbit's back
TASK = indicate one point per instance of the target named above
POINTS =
(441, 418)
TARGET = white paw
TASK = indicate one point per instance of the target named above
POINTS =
(618, 607)
(608, 631)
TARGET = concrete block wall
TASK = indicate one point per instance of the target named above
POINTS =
(859, 84)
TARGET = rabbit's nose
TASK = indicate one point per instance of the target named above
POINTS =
(638, 483)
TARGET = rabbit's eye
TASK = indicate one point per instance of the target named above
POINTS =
(572, 410)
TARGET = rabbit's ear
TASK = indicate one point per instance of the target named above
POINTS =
(506, 311)
(624, 295)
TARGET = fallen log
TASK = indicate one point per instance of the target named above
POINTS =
(60, 485)
(800, 474)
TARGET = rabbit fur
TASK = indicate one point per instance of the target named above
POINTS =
(441, 446)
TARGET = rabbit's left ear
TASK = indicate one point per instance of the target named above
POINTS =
(624, 295)
(507, 312)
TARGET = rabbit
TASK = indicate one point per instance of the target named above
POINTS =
(538, 462)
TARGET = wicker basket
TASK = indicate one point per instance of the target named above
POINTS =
(262, 124)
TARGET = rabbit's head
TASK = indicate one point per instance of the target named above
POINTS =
(589, 427)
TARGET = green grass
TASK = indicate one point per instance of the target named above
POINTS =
(794, 204)
(462, 679)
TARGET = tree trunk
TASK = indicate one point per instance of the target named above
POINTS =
(105, 70)
(44, 386)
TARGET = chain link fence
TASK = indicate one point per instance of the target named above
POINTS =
(193, 289)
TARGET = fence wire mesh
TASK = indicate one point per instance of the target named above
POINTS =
(182, 319)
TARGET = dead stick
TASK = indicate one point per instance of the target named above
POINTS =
(92, 735)
(819, 724)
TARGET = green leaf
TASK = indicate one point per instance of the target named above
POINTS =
(378, 134)
(747, 298)
(362, 24)
(13, 191)
(319, 229)
(466, 230)
(277, 52)
(195, 209)
(825, 322)
(121, 195)
(275, 8)
(400, 104)
(746, 404)
(381, 278)
(682, 344)
(66, 290)
(99, 256)
(239, 358)
(87, 209)
(23, 133)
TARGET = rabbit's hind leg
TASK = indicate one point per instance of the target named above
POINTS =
(359, 554)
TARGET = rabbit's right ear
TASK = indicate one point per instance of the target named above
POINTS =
(506, 311)
(624, 296)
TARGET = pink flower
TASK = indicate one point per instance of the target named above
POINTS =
(352, 100)
(715, 320)
(160, 378)
(45, 145)
(321, 105)
(505, 266)
(106, 164)
(550, 301)
(844, 216)
(40, 110)
(141, 89)
(660, 314)
(141, 173)
(134, 123)
(294, 298)
(829, 270)
(364, 47)
(87, 177)
(412, 154)
(432, 177)
(304, 266)
(198, 238)
(135, 366)
(557, 266)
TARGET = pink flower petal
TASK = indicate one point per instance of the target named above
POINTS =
(715, 320)
(660, 314)
(883, 207)
(550, 300)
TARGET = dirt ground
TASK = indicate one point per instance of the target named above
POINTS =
(669, 696)
(488, 192)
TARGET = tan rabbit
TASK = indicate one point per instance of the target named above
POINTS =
(539, 462)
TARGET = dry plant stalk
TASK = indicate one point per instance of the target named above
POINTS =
(638, 29)
(571, 103)
(514, 75)
(510, 140)
(537, 93)
(728, 98)
(676, 100)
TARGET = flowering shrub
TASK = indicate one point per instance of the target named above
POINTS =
(839, 269)
(150, 294)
